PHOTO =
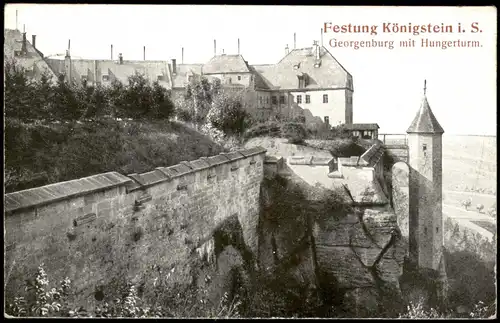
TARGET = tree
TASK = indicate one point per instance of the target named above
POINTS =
(228, 114)
(467, 203)
(480, 208)
(67, 102)
(19, 91)
(162, 107)
(197, 100)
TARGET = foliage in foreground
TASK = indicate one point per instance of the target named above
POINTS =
(41, 300)
(418, 310)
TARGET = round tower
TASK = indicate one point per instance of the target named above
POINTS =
(426, 190)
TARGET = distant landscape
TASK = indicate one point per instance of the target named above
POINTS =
(470, 172)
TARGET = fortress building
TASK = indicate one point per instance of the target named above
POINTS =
(306, 84)
(426, 192)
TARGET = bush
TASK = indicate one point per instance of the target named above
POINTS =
(336, 132)
(41, 300)
(296, 133)
(270, 129)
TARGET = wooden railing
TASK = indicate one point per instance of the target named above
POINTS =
(393, 139)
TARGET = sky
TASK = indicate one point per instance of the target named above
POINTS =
(388, 83)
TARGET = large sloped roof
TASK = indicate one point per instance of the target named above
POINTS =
(425, 121)
(33, 58)
(283, 75)
(226, 64)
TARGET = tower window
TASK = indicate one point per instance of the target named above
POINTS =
(424, 147)
(325, 98)
(308, 98)
(299, 98)
(437, 229)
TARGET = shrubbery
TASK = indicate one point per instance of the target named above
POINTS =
(43, 300)
(296, 133)
(30, 100)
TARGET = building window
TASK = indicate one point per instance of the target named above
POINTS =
(424, 147)
(260, 99)
(282, 99)
(229, 80)
(327, 120)
(160, 78)
(84, 78)
(425, 230)
(105, 78)
(239, 78)
(267, 100)
(274, 100)
(437, 229)
(308, 98)
(325, 98)
(299, 98)
(190, 78)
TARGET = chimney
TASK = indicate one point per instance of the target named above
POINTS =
(16, 22)
(317, 50)
(182, 56)
(120, 58)
(144, 54)
(23, 48)
(223, 51)
(67, 65)
(286, 50)
(111, 51)
(321, 37)
(294, 40)
(69, 46)
(215, 47)
(238, 46)
(33, 41)
(174, 66)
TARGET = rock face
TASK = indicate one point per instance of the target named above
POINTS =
(363, 251)
(357, 253)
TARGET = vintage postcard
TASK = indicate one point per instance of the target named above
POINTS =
(223, 161)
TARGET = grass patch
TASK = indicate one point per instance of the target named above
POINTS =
(67, 151)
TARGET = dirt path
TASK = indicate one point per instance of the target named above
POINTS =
(471, 193)
(459, 213)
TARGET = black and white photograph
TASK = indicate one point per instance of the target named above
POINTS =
(250, 161)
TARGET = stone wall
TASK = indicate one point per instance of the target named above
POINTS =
(105, 230)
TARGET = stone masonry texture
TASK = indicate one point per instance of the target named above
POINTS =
(117, 229)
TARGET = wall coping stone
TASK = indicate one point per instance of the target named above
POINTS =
(42, 195)
(59, 191)
(310, 160)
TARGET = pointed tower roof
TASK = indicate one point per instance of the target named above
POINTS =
(425, 121)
